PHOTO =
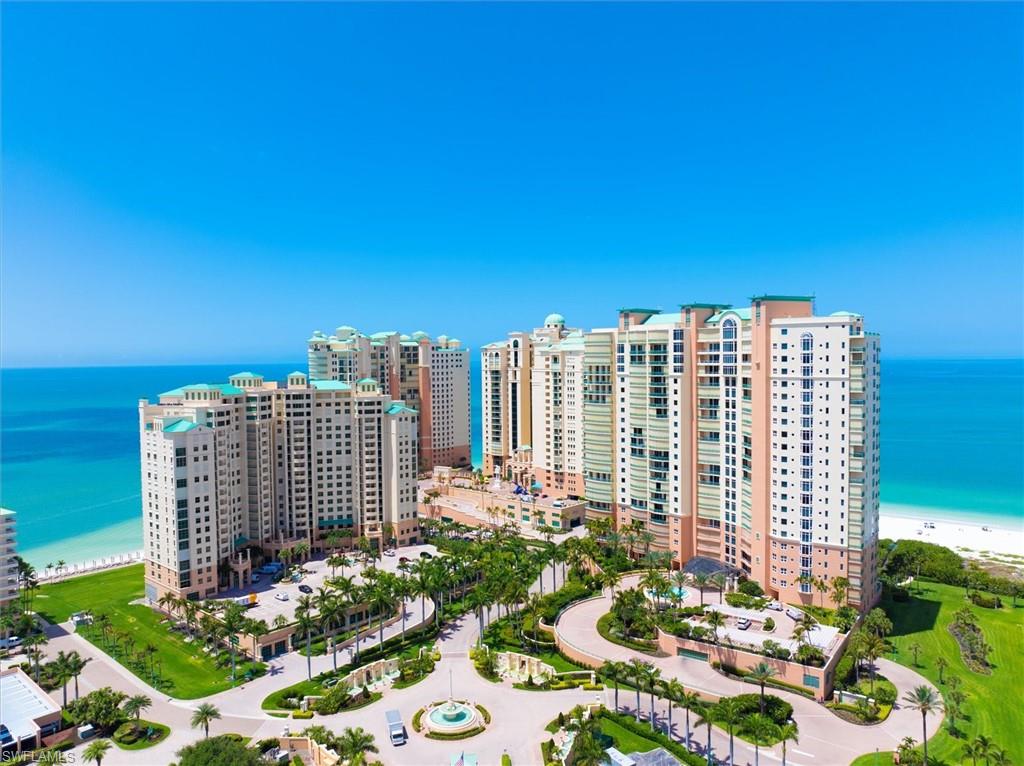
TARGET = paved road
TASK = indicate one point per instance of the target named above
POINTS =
(517, 727)
(824, 738)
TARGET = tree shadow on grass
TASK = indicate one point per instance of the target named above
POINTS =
(916, 615)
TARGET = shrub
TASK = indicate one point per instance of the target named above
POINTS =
(302, 714)
(986, 602)
(744, 601)
(769, 625)
(416, 719)
(266, 745)
(506, 760)
(775, 708)
(750, 588)
(127, 734)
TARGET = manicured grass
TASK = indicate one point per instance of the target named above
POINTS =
(990, 705)
(56, 602)
(625, 740)
(185, 671)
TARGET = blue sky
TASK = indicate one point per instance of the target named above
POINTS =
(192, 183)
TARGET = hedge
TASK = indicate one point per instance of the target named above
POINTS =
(630, 724)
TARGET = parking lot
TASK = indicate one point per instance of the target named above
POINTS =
(281, 598)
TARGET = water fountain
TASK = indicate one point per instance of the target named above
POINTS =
(453, 716)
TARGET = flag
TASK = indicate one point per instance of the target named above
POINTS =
(462, 759)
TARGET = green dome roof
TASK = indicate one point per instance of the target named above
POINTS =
(554, 319)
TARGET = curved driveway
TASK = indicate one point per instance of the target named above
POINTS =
(825, 739)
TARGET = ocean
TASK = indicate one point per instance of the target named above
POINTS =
(952, 446)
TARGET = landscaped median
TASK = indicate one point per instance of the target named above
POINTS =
(414, 658)
(138, 636)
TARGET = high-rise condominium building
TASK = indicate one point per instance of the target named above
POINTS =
(254, 463)
(532, 408)
(747, 435)
(430, 376)
(8, 564)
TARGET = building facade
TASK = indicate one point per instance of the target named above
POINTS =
(429, 376)
(8, 563)
(748, 435)
(532, 407)
(249, 463)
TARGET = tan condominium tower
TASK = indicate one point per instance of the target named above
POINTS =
(430, 376)
(532, 408)
(748, 435)
(255, 464)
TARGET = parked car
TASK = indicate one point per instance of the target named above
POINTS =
(10, 643)
(794, 614)
(305, 589)
(281, 596)
(775, 606)
(403, 560)
(742, 623)
(425, 555)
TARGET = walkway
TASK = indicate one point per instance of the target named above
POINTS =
(825, 739)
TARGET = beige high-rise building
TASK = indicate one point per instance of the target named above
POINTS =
(252, 463)
(8, 564)
(745, 435)
(430, 376)
(532, 407)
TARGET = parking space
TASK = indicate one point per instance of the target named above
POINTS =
(281, 598)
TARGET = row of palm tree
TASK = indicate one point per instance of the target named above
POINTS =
(645, 677)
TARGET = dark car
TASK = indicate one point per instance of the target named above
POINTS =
(305, 589)
(425, 555)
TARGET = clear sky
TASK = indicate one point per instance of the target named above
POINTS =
(191, 182)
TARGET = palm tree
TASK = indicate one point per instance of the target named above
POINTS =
(762, 673)
(135, 706)
(719, 581)
(63, 674)
(983, 747)
(689, 701)
(203, 716)
(673, 691)
(872, 648)
(941, 664)
(788, 732)
(651, 679)
(76, 664)
(355, 744)
(715, 620)
(762, 729)
(96, 751)
(925, 700)
(700, 581)
(638, 670)
(330, 611)
(614, 672)
(915, 649)
(304, 623)
(998, 757)
(973, 751)
(706, 712)
(728, 712)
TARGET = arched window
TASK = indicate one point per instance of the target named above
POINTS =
(729, 329)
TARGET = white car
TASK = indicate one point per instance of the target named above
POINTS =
(10, 643)
(775, 606)
(743, 623)
(794, 614)
(281, 596)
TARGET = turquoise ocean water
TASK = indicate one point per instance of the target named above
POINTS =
(951, 442)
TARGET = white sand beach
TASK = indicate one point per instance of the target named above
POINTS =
(903, 522)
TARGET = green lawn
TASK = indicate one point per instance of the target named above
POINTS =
(184, 670)
(625, 740)
(993, 701)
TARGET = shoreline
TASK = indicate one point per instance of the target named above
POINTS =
(955, 530)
